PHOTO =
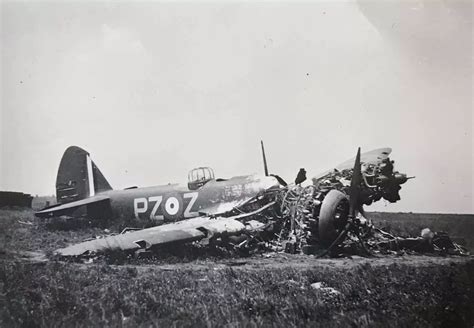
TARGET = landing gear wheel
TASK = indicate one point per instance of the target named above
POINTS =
(332, 216)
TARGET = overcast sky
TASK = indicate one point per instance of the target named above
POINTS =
(152, 90)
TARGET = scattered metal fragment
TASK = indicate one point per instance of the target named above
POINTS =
(321, 286)
(428, 242)
(25, 222)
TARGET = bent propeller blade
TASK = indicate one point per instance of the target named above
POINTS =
(265, 167)
(355, 186)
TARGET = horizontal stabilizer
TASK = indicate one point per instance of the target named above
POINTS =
(69, 207)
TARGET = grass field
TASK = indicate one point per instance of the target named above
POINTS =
(214, 291)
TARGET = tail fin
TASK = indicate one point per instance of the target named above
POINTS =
(78, 177)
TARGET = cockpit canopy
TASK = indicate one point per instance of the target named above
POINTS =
(199, 176)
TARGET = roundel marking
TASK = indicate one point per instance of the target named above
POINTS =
(172, 205)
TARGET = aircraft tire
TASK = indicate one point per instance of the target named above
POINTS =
(332, 216)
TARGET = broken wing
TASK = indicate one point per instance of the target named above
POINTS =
(375, 157)
(183, 231)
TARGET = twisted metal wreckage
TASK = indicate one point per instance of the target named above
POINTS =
(250, 214)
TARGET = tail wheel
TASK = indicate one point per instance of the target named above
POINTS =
(332, 216)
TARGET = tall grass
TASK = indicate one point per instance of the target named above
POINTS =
(206, 291)
(65, 294)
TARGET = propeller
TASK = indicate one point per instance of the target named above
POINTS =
(354, 190)
(265, 168)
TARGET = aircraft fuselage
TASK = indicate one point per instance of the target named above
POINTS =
(169, 203)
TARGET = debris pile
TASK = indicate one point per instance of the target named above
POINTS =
(440, 243)
(313, 216)
(305, 219)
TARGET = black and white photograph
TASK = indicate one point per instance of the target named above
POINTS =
(236, 163)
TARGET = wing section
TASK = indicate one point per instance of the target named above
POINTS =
(375, 157)
(183, 231)
(62, 209)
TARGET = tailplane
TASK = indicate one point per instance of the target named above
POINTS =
(78, 177)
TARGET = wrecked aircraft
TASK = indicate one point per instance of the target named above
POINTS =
(243, 211)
